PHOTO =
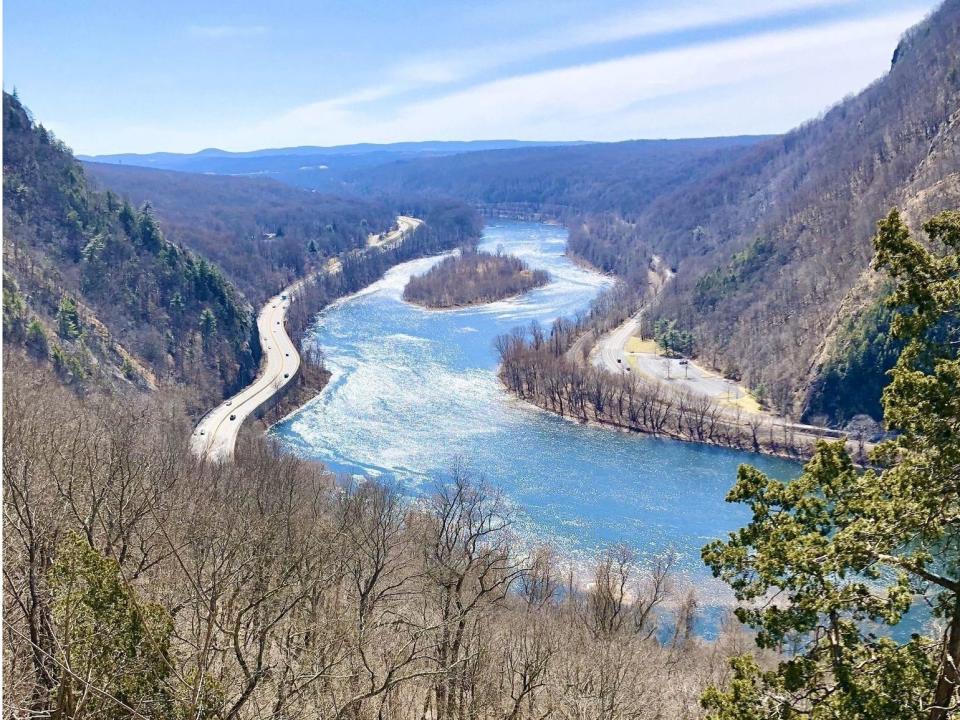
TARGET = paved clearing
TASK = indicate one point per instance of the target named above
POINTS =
(621, 351)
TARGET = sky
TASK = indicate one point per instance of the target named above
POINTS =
(109, 76)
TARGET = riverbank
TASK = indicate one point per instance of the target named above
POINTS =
(695, 405)
(543, 374)
(215, 436)
(310, 382)
(771, 444)
(771, 441)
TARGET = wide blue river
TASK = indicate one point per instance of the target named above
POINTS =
(415, 390)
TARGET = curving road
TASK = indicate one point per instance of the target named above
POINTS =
(215, 436)
(609, 352)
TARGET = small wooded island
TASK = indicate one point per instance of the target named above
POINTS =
(472, 278)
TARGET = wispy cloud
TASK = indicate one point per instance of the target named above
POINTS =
(760, 83)
(690, 16)
(466, 64)
(217, 32)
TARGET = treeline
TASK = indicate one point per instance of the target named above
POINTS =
(264, 234)
(473, 277)
(131, 590)
(537, 366)
(94, 286)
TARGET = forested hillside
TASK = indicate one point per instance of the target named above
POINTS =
(622, 177)
(774, 248)
(92, 285)
(262, 233)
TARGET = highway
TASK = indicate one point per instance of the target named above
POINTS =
(609, 353)
(215, 436)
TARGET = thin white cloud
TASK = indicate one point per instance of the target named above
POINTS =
(761, 83)
(690, 16)
(467, 63)
(216, 32)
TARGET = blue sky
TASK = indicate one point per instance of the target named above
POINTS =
(181, 76)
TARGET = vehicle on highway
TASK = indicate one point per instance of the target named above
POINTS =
(233, 417)
(228, 403)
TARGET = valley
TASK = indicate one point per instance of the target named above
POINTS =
(650, 412)
(415, 392)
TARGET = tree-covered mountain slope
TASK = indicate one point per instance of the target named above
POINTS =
(622, 177)
(810, 200)
(261, 232)
(92, 285)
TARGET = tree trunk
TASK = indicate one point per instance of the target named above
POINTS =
(949, 667)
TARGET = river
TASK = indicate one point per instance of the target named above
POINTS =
(414, 390)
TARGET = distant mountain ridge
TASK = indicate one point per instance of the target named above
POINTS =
(622, 176)
(314, 167)
(425, 146)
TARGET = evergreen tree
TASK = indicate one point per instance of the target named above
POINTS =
(671, 339)
(14, 309)
(149, 229)
(208, 327)
(37, 339)
(837, 549)
(68, 319)
(114, 647)
(128, 220)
